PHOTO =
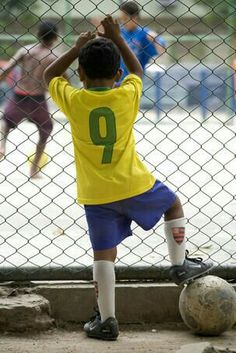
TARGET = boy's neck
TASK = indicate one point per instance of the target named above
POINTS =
(99, 83)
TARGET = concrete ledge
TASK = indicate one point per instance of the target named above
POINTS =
(135, 303)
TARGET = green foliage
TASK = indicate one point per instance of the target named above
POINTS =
(6, 51)
(222, 8)
(220, 14)
(18, 11)
(13, 5)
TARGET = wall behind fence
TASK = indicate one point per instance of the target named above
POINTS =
(185, 133)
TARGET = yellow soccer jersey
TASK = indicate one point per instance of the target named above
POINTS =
(107, 166)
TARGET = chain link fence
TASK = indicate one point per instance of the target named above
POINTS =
(185, 133)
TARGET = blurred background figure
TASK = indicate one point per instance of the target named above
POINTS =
(144, 42)
(28, 100)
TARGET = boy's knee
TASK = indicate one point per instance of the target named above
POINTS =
(45, 131)
(175, 211)
(8, 124)
(177, 203)
(105, 255)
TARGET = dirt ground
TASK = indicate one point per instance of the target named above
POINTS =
(156, 338)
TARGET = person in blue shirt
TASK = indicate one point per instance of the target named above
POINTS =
(144, 42)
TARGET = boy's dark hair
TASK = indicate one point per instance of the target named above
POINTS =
(100, 58)
(47, 31)
(131, 8)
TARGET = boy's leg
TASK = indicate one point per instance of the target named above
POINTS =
(34, 168)
(108, 226)
(42, 119)
(104, 325)
(13, 115)
(5, 129)
(104, 281)
(183, 268)
(175, 233)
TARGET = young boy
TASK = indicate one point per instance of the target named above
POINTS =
(29, 92)
(113, 184)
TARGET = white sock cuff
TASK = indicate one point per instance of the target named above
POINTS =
(102, 265)
(179, 222)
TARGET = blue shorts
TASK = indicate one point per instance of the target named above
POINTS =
(110, 223)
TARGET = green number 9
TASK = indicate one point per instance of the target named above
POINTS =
(107, 141)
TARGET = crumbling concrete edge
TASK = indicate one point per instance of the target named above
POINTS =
(135, 303)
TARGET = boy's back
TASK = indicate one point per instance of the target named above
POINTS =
(35, 59)
(108, 166)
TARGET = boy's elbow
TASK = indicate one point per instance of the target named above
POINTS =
(46, 77)
(139, 72)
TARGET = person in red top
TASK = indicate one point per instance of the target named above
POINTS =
(28, 99)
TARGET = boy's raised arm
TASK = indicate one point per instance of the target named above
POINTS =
(12, 63)
(112, 31)
(60, 65)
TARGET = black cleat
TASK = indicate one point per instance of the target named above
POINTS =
(107, 330)
(95, 318)
(192, 268)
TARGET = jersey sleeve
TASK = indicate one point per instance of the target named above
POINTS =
(131, 89)
(133, 85)
(62, 93)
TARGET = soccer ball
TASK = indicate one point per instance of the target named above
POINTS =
(208, 306)
(42, 162)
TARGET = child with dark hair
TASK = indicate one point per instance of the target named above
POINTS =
(47, 31)
(131, 8)
(107, 59)
(28, 99)
(113, 184)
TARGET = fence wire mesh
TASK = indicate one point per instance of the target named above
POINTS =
(185, 133)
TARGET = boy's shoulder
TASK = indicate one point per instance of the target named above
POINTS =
(131, 79)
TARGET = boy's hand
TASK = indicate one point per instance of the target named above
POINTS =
(111, 29)
(84, 38)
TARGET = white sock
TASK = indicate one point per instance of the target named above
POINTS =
(175, 236)
(104, 278)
